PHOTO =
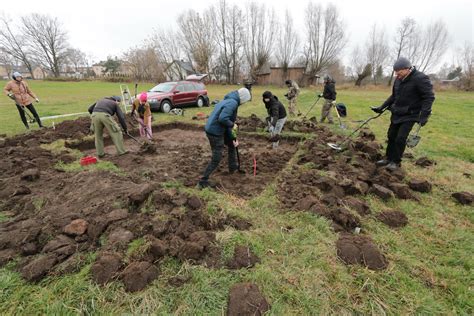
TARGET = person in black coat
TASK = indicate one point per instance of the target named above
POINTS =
(276, 117)
(329, 95)
(411, 101)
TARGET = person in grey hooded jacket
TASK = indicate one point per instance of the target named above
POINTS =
(219, 131)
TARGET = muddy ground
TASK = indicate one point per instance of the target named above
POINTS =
(56, 217)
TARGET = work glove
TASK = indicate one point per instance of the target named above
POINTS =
(377, 109)
(235, 142)
(11, 96)
(320, 95)
(37, 100)
(423, 120)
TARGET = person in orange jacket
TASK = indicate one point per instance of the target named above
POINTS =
(18, 90)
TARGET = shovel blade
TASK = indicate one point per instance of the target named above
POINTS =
(413, 140)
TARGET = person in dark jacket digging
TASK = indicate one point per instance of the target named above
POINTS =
(101, 114)
(411, 101)
(219, 131)
(329, 95)
(276, 117)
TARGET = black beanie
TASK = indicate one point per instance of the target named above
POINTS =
(267, 95)
(401, 63)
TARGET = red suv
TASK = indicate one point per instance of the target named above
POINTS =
(168, 95)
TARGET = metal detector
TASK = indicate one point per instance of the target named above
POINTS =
(340, 146)
(31, 119)
(312, 107)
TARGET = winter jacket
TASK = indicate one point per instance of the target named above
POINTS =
(20, 91)
(275, 110)
(110, 107)
(329, 92)
(293, 90)
(223, 117)
(143, 111)
(411, 99)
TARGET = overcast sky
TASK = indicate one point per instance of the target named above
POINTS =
(105, 27)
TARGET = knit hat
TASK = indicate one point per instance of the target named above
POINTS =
(16, 74)
(267, 95)
(401, 63)
(244, 95)
(143, 97)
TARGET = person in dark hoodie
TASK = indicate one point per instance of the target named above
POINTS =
(411, 101)
(101, 115)
(329, 95)
(276, 116)
(219, 130)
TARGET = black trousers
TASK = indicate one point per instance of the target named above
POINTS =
(32, 109)
(217, 146)
(397, 139)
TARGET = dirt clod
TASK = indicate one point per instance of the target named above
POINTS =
(77, 227)
(382, 192)
(31, 175)
(38, 268)
(138, 275)
(6, 255)
(137, 197)
(464, 198)
(352, 249)
(243, 258)
(106, 267)
(246, 299)
(393, 218)
(194, 202)
(425, 162)
(420, 185)
(358, 205)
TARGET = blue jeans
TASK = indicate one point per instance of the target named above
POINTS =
(217, 146)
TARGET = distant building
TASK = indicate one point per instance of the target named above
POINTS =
(179, 70)
(277, 76)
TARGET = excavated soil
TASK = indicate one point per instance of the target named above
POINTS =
(255, 124)
(359, 249)
(393, 218)
(57, 217)
(246, 299)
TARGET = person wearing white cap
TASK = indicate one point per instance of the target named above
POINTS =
(18, 90)
(220, 130)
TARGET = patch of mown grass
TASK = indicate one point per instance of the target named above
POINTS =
(430, 260)
(100, 165)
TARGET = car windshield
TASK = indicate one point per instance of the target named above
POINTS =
(163, 87)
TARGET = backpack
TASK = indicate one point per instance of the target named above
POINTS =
(341, 109)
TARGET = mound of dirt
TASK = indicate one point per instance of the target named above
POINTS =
(358, 249)
(243, 258)
(246, 299)
(425, 162)
(464, 198)
(393, 218)
(251, 124)
(138, 275)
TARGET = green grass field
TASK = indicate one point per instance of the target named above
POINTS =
(431, 259)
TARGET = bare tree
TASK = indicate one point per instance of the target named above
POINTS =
(6, 60)
(144, 63)
(196, 33)
(288, 44)
(403, 37)
(228, 37)
(466, 59)
(426, 50)
(261, 27)
(377, 52)
(360, 68)
(76, 58)
(325, 37)
(47, 40)
(14, 44)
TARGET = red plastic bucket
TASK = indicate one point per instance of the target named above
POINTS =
(87, 160)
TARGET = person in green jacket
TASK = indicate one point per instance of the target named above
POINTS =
(101, 113)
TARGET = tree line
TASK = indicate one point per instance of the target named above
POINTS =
(230, 41)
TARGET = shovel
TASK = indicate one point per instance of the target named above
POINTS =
(414, 139)
(31, 120)
(340, 146)
(143, 126)
(342, 126)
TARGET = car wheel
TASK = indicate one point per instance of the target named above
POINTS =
(166, 106)
(200, 102)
